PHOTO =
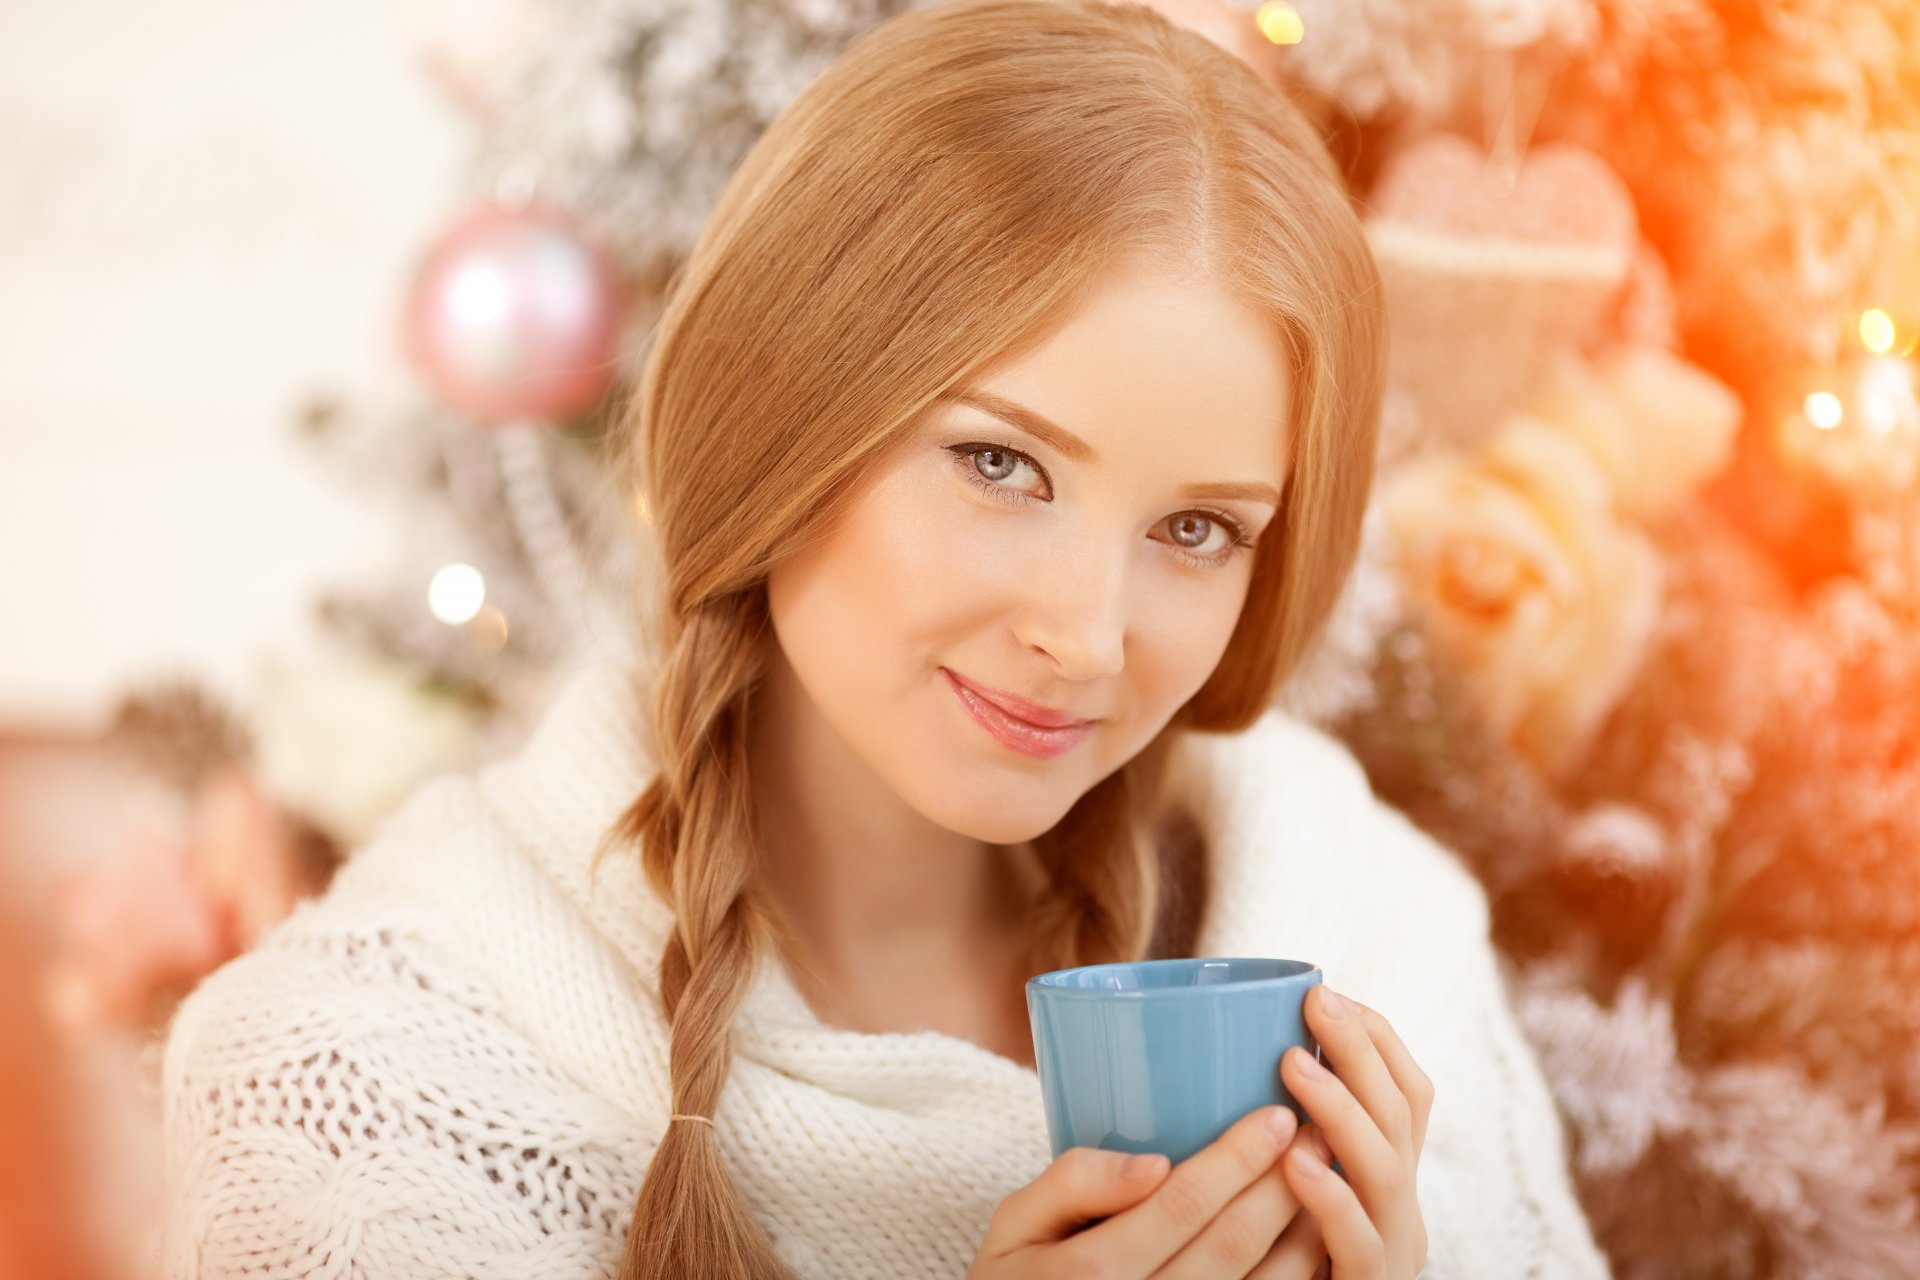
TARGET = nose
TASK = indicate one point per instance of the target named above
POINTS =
(1075, 612)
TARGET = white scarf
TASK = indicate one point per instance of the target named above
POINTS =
(486, 1023)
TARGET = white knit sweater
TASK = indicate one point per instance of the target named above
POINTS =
(453, 1064)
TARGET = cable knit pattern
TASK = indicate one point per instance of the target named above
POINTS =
(454, 1063)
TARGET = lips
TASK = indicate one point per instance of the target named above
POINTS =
(1019, 708)
(1015, 732)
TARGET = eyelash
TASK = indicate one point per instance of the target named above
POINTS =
(963, 455)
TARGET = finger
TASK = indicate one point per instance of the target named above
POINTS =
(1297, 1254)
(1240, 1235)
(1412, 1082)
(1375, 1166)
(1353, 1242)
(1198, 1188)
(1082, 1185)
(1347, 1039)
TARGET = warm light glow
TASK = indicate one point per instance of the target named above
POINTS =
(456, 593)
(640, 508)
(1279, 22)
(1876, 331)
(1886, 400)
(1823, 410)
(487, 633)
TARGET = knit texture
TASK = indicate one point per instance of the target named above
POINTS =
(454, 1063)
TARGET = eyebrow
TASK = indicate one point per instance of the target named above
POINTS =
(1063, 441)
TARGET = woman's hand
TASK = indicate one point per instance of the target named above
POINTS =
(1216, 1215)
(1373, 1115)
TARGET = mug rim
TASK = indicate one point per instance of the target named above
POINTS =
(1039, 981)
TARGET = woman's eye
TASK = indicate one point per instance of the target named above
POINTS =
(995, 464)
(1194, 531)
(992, 467)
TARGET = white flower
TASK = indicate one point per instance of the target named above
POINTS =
(345, 736)
(1529, 585)
(1658, 426)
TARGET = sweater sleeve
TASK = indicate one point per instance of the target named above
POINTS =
(338, 1104)
(1494, 1185)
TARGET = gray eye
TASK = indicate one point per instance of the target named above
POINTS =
(1191, 530)
(994, 464)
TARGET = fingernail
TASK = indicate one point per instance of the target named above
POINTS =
(1309, 1068)
(1331, 1003)
(1319, 1141)
(1307, 1165)
(1282, 1123)
(1141, 1167)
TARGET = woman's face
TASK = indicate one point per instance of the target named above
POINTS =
(1071, 532)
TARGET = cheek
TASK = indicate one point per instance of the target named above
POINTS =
(912, 566)
(939, 566)
(871, 602)
(1179, 640)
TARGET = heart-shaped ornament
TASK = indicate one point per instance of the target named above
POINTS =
(1492, 269)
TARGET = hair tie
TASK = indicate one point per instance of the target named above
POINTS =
(702, 1119)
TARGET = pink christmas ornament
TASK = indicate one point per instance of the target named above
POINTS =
(514, 315)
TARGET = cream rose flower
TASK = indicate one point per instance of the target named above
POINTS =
(1658, 426)
(1528, 584)
(343, 736)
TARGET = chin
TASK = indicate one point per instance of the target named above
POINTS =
(1000, 823)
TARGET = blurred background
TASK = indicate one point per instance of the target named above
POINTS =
(204, 207)
(315, 319)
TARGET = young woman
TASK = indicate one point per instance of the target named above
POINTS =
(1001, 451)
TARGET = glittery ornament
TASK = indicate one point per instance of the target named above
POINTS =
(514, 315)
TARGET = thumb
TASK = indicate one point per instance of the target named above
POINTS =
(1082, 1186)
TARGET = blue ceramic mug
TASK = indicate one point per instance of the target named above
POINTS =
(1164, 1055)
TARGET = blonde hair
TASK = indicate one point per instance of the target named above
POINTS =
(946, 192)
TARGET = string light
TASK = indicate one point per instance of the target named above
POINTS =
(1877, 331)
(487, 633)
(1280, 22)
(1866, 436)
(1823, 410)
(1885, 399)
(456, 593)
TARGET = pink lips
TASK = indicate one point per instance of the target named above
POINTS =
(1017, 724)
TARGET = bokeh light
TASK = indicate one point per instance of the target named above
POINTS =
(1823, 410)
(456, 593)
(1877, 331)
(1280, 22)
(488, 632)
(1885, 402)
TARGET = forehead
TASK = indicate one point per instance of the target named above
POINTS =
(1162, 369)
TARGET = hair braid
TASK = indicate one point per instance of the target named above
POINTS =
(694, 825)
